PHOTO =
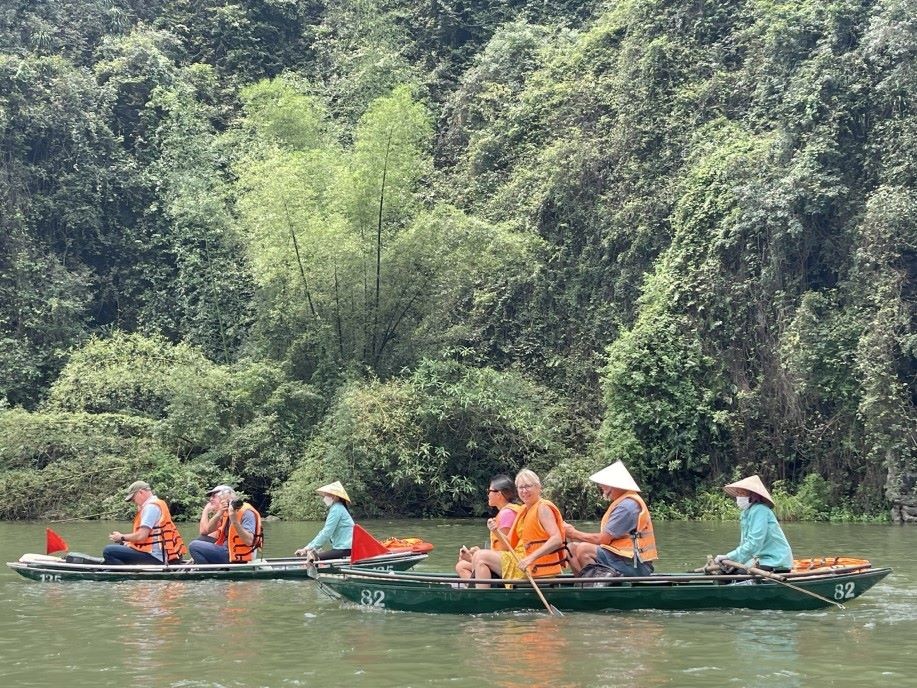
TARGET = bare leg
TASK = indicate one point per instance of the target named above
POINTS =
(486, 563)
(464, 568)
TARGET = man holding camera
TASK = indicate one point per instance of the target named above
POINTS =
(238, 528)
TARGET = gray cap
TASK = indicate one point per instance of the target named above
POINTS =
(135, 487)
(219, 488)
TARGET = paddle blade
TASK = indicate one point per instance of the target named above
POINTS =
(364, 545)
(54, 542)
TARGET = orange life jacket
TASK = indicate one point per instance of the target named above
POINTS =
(646, 541)
(528, 531)
(238, 551)
(164, 533)
(494, 540)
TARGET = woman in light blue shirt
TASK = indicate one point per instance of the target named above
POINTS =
(338, 528)
(761, 540)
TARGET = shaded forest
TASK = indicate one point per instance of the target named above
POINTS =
(409, 245)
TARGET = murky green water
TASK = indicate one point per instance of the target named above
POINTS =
(274, 633)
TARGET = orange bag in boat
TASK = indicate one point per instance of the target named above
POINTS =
(828, 564)
(410, 544)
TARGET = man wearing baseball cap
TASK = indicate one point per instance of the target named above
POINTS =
(154, 538)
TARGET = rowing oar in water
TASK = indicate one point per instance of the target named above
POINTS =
(554, 611)
(778, 579)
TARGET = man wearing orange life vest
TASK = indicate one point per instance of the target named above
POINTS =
(238, 528)
(537, 538)
(210, 508)
(154, 538)
(626, 542)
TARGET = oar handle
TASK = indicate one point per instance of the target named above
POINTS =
(778, 579)
(554, 611)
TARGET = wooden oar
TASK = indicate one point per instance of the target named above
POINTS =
(554, 611)
(778, 579)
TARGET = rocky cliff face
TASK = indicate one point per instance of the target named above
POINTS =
(901, 490)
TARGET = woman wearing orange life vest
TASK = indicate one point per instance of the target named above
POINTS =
(154, 538)
(625, 542)
(502, 496)
(239, 533)
(537, 538)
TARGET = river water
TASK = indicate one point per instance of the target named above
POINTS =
(285, 633)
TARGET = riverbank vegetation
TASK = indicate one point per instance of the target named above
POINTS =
(409, 245)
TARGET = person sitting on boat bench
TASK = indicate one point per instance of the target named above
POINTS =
(338, 528)
(502, 496)
(537, 538)
(761, 538)
(238, 525)
(152, 532)
(625, 541)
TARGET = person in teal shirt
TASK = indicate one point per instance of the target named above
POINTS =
(338, 528)
(761, 540)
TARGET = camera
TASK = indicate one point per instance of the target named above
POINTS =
(237, 503)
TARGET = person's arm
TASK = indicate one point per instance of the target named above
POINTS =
(139, 535)
(245, 528)
(554, 541)
(505, 519)
(150, 517)
(602, 538)
(324, 535)
(204, 526)
(215, 519)
(621, 522)
(753, 536)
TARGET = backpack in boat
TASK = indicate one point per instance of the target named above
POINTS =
(77, 558)
(597, 571)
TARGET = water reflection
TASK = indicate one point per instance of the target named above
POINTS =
(524, 651)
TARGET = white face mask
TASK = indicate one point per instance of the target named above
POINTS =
(328, 500)
(743, 502)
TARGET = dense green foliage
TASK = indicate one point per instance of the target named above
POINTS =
(408, 245)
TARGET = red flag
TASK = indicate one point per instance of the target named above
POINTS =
(54, 542)
(364, 545)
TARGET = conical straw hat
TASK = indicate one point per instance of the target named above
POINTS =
(752, 484)
(335, 489)
(615, 475)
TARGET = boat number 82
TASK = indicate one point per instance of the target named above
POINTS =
(372, 598)
(844, 591)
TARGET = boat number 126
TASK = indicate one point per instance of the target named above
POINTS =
(372, 598)
(844, 591)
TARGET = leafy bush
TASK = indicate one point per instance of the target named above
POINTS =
(429, 443)
(84, 486)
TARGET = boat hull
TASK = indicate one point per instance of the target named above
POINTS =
(56, 570)
(668, 592)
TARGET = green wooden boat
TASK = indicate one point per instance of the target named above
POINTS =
(442, 594)
(48, 569)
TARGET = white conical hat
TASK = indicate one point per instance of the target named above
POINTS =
(335, 489)
(752, 484)
(615, 475)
